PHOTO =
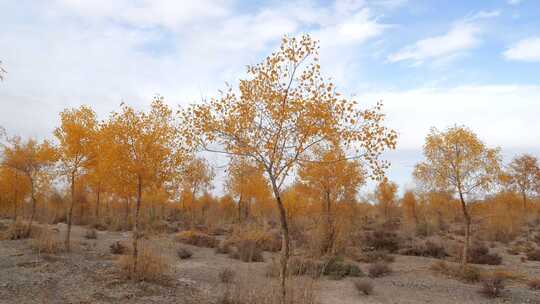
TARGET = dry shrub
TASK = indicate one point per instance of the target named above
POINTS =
(91, 234)
(247, 251)
(479, 254)
(425, 249)
(382, 240)
(379, 269)
(264, 240)
(16, 231)
(47, 242)
(534, 284)
(374, 256)
(118, 248)
(492, 286)
(466, 273)
(196, 238)
(337, 269)
(247, 290)
(533, 255)
(223, 247)
(152, 266)
(334, 267)
(364, 286)
(226, 276)
(184, 253)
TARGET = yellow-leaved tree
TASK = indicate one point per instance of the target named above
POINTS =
(34, 161)
(385, 194)
(279, 114)
(457, 161)
(523, 172)
(331, 179)
(246, 183)
(76, 136)
(147, 151)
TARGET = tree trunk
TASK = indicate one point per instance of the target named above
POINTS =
(70, 213)
(15, 198)
(32, 214)
(97, 202)
(136, 226)
(240, 209)
(329, 229)
(285, 242)
(126, 217)
(467, 230)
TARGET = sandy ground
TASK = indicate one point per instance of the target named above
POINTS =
(89, 275)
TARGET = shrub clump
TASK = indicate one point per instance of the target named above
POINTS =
(91, 234)
(375, 256)
(247, 251)
(382, 240)
(334, 267)
(480, 254)
(425, 249)
(533, 255)
(226, 276)
(464, 273)
(151, 266)
(337, 269)
(118, 248)
(363, 286)
(492, 286)
(184, 253)
(379, 269)
(534, 284)
(47, 242)
(196, 238)
(16, 231)
(264, 240)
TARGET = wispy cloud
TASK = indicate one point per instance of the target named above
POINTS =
(524, 50)
(514, 2)
(463, 35)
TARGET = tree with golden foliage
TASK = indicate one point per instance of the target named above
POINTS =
(457, 161)
(385, 194)
(146, 149)
(410, 208)
(523, 172)
(14, 187)
(331, 179)
(246, 183)
(34, 161)
(281, 112)
(197, 177)
(76, 136)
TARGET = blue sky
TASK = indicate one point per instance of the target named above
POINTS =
(433, 63)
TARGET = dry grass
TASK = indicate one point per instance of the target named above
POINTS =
(246, 290)
(196, 238)
(379, 269)
(90, 234)
(364, 286)
(118, 248)
(493, 286)
(534, 284)
(47, 242)
(467, 273)
(152, 265)
(264, 240)
(15, 231)
(226, 276)
(184, 253)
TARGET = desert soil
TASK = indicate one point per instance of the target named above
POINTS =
(89, 274)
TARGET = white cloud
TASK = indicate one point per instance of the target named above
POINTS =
(68, 52)
(514, 2)
(502, 115)
(524, 50)
(462, 36)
